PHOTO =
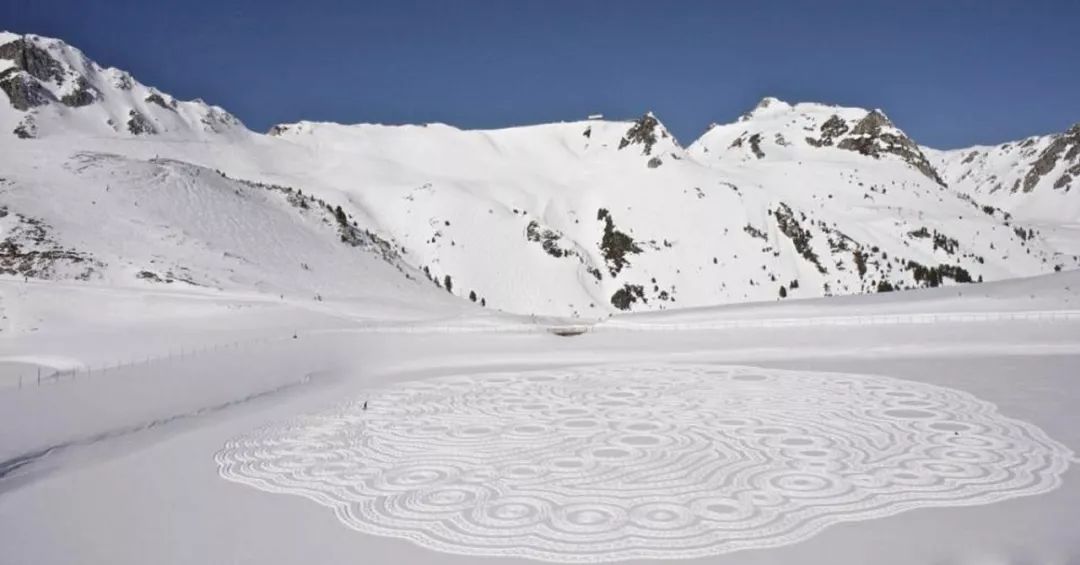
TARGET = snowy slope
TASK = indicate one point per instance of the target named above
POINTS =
(1035, 178)
(127, 222)
(579, 218)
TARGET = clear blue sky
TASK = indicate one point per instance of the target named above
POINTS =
(950, 72)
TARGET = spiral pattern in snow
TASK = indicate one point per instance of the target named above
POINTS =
(655, 461)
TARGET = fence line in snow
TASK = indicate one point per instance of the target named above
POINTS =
(852, 320)
(38, 378)
(43, 376)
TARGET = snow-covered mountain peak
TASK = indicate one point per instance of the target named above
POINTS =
(766, 106)
(776, 130)
(653, 138)
(643, 142)
(53, 88)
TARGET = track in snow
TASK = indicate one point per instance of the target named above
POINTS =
(643, 461)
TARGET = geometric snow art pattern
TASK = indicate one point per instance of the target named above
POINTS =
(604, 463)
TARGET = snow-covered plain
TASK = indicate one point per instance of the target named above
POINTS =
(136, 473)
(218, 346)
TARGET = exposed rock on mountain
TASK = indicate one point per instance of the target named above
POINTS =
(644, 133)
(63, 93)
(580, 219)
(1034, 178)
(24, 91)
(26, 55)
(1063, 150)
(875, 134)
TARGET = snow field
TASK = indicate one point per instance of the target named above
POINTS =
(665, 462)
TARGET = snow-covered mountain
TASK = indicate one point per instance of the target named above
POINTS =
(106, 178)
(1035, 177)
(55, 89)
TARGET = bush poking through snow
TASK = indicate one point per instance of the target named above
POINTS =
(627, 295)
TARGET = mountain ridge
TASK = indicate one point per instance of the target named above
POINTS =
(8, 38)
(579, 218)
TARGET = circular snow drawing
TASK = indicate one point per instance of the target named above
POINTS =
(656, 461)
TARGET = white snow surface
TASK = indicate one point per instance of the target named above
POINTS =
(209, 329)
(99, 452)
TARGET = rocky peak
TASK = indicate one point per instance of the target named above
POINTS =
(38, 74)
(766, 105)
(872, 124)
(646, 131)
(776, 130)
(36, 61)
(767, 101)
(875, 135)
(42, 76)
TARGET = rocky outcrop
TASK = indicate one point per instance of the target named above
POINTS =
(123, 81)
(615, 244)
(1066, 178)
(643, 133)
(138, 124)
(83, 95)
(28, 249)
(33, 59)
(278, 130)
(627, 296)
(1067, 146)
(24, 91)
(755, 145)
(217, 120)
(156, 98)
(832, 129)
(547, 238)
(800, 236)
(875, 135)
(27, 128)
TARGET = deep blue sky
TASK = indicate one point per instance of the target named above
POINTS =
(949, 72)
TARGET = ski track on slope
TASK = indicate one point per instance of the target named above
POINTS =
(649, 461)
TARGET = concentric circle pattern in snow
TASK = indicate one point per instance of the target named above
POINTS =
(658, 461)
